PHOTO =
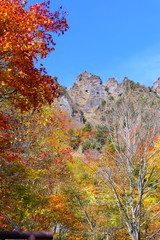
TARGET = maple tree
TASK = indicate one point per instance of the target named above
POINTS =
(25, 36)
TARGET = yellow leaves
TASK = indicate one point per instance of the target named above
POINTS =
(21, 74)
(9, 69)
(6, 46)
(39, 211)
(154, 157)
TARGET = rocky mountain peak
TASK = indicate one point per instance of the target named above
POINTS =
(90, 100)
(87, 93)
(111, 84)
(111, 81)
(86, 79)
(125, 81)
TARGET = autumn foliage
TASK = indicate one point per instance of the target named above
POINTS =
(25, 36)
(90, 182)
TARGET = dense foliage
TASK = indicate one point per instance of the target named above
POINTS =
(94, 182)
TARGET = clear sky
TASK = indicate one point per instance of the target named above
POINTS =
(107, 38)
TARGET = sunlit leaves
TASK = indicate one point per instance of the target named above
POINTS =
(25, 35)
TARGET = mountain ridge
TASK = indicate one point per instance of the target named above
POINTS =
(88, 99)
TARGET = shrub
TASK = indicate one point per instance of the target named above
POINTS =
(111, 98)
(87, 127)
(103, 103)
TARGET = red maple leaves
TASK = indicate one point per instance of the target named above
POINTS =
(26, 35)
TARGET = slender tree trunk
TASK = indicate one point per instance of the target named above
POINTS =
(135, 234)
(54, 232)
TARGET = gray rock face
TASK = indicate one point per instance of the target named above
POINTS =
(88, 91)
(97, 91)
(88, 98)
(92, 103)
(65, 105)
(119, 91)
(69, 107)
(111, 85)
(87, 79)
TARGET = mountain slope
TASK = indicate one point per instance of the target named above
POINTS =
(90, 100)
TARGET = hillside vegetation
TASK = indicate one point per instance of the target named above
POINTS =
(90, 172)
(83, 163)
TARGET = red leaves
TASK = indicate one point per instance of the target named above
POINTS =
(25, 35)
(30, 145)
(3, 122)
(5, 137)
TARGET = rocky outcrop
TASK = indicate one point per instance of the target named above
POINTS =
(66, 105)
(90, 100)
(156, 86)
(88, 91)
(86, 79)
(89, 94)
(111, 85)
(69, 106)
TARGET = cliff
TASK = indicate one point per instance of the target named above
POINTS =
(89, 100)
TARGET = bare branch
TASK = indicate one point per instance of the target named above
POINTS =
(153, 235)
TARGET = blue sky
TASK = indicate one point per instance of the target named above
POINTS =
(107, 38)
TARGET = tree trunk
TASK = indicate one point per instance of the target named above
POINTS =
(135, 234)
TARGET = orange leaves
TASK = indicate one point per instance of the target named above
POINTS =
(58, 204)
(31, 143)
(33, 159)
(62, 211)
(25, 35)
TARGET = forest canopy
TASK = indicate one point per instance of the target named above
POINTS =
(93, 181)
